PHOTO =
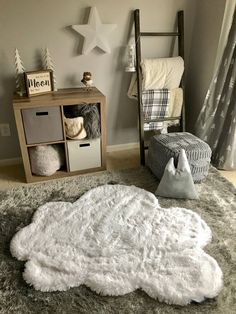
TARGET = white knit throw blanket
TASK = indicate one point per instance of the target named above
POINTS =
(116, 239)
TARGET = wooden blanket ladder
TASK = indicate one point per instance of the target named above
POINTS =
(138, 34)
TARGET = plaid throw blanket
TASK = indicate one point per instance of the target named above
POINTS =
(155, 105)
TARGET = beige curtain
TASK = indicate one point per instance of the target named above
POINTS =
(216, 123)
(226, 24)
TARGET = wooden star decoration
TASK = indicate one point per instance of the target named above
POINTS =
(95, 33)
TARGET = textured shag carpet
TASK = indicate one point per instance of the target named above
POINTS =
(217, 206)
(115, 239)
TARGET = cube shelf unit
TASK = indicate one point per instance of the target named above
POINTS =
(54, 102)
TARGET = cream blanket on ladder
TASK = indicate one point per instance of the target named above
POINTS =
(158, 74)
(116, 239)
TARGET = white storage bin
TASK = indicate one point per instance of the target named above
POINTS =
(84, 154)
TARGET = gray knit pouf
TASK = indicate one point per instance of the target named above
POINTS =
(163, 147)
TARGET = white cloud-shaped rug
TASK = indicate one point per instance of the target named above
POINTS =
(116, 239)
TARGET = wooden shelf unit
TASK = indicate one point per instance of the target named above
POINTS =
(60, 98)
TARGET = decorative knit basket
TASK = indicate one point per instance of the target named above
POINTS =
(163, 147)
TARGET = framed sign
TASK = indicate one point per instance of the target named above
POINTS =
(39, 82)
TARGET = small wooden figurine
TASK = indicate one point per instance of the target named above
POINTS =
(87, 80)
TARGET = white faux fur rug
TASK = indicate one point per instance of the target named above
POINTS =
(116, 239)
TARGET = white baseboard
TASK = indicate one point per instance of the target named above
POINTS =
(10, 161)
(115, 148)
(110, 148)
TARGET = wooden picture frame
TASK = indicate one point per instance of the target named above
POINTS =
(38, 82)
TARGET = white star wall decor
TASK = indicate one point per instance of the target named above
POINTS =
(95, 33)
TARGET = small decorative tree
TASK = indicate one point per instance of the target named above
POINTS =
(49, 65)
(20, 83)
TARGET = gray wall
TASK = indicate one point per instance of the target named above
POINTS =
(205, 38)
(31, 25)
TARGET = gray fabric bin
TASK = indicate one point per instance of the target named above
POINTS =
(163, 147)
(42, 125)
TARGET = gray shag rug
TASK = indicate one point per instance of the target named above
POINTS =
(217, 206)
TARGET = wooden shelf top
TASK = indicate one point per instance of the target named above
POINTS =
(46, 143)
(66, 96)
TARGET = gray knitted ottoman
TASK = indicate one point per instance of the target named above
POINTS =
(163, 147)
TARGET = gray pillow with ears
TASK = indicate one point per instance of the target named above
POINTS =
(177, 183)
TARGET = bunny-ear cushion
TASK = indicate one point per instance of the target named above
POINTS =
(177, 183)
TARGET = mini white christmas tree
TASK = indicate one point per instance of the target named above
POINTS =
(49, 65)
(20, 83)
(130, 67)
